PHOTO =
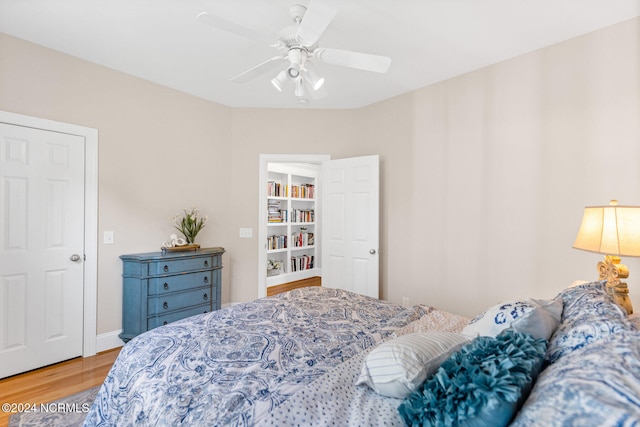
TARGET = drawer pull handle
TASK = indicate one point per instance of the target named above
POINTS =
(166, 268)
(206, 263)
(164, 323)
(206, 279)
(166, 286)
(205, 296)
(165, 305)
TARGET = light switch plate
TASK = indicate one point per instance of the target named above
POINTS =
(109, 238)
(246, 233)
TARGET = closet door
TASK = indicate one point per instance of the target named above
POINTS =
(42, 223)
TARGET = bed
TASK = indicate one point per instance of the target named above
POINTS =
(321, 356)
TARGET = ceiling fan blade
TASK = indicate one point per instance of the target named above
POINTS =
(259, 69)
(316, 19)
(233, 28)
(346, 58)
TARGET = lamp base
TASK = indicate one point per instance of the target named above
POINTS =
(620, 294)
(612, 270)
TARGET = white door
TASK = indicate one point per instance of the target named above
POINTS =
(350, 216)
(41, 247)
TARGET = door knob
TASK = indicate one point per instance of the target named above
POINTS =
(372, 251)
(75, 257)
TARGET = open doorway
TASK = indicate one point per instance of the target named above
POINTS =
(342, 221)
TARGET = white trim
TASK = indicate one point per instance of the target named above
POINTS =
(108, 341)
(230, 304)
(264, 159)
(89, 342)
(90, 136)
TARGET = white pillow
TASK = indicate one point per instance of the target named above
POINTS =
(539, 318)
(398, 367)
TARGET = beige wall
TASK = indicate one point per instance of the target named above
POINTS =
(483, 177)
(263, 131)
(159, 151)
(484, 200)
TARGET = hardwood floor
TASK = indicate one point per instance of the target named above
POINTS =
(278, 289)
(55, 381)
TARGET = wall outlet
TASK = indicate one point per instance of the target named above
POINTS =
(405, 301)
(246, 233)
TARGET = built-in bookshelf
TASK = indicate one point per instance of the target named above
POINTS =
(292, 228)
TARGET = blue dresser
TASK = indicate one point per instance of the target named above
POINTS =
(161, 288)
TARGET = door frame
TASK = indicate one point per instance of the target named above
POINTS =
(90, 285)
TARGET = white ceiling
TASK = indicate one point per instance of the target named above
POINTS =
(427, 40)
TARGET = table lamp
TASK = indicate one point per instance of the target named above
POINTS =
(613, 231)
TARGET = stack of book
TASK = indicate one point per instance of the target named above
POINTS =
(276, 242)
(275, 189)
(274, 214)
(302, 262)
(302, 239)
(304, 191)
(303, 215)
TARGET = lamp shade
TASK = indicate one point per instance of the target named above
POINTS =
(610, 230)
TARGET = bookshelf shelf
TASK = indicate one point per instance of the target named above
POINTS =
(302, 248)
(277, 251)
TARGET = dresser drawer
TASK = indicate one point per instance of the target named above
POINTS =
(172, 266)
(164, 319)
(180, 282)
(166, 303)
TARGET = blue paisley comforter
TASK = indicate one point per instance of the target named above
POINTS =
(293, 359)
(234, 366)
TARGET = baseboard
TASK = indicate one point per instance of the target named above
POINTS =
(111, 340)
(229, 304)
(108, 341)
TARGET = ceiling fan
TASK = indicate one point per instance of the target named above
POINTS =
(298, 49)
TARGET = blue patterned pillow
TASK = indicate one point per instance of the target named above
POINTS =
(534, 317)
(582, 299)
(480, 385)
(589, 315)
(597, 385)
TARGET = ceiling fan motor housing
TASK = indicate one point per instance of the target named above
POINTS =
(296, 12)
(297, 57)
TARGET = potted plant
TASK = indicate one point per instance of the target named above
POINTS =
(274, 267)
(189, 224)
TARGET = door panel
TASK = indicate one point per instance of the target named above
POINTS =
(335, 220)
(350, 224)
(41, 226)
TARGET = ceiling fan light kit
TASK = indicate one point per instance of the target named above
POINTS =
(298, 45)
(293, 72)
(279, 80)
(300, 92)
(313, 79)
